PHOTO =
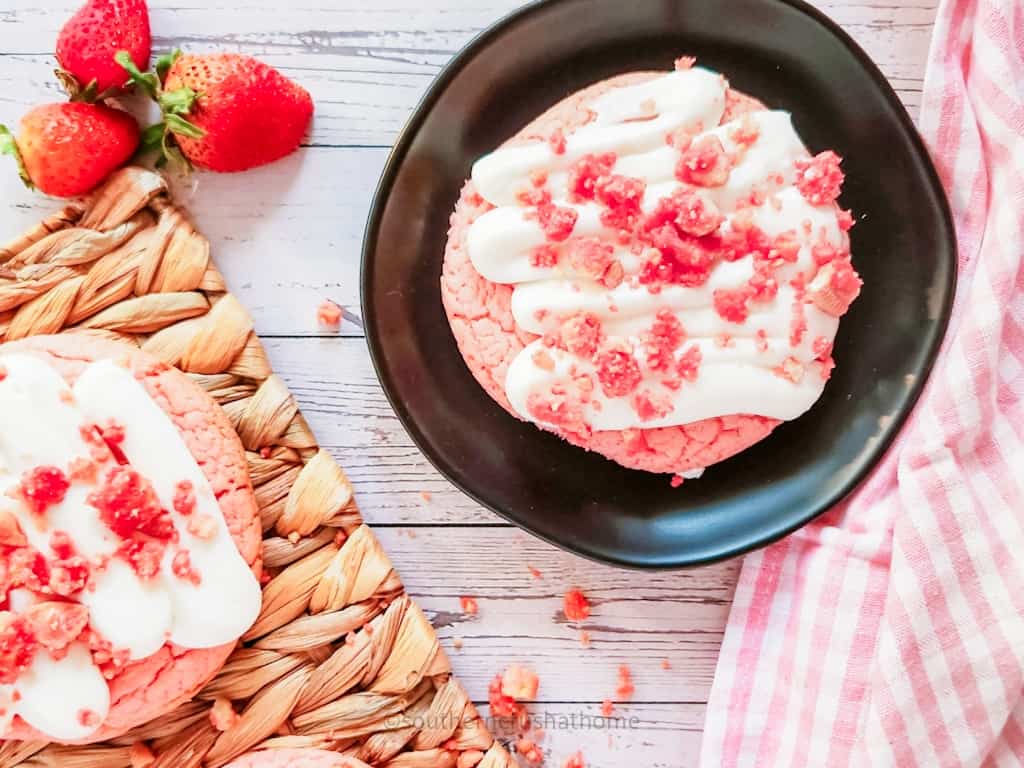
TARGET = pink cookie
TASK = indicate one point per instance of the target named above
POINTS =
(296, 758)
(148, 688)
(481, 319)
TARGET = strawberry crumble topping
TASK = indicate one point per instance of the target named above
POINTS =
(585, 172)
(704, 163)
(18, 646)
(43, 487)
(558, 408)
(689, 362)
(621, 196)
(181, 566)
(223, 716)
(577, 608)
(664, 338)
(556, 221)
(574, 761)
(594, 258)
(731, 304)
(202, 526)
(557, 142)
(57, 625)
(650, 405)
(625, 689)
(820, 179)
(544, 256)
(184, 501)
(469, 605)
(582, 335)
(329, 314)
(88, 719)
(790, 369)
(618, 372)
(69, 572)
(520, 683)
(128, 506)
(527, 749)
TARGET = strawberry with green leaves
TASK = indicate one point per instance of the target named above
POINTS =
(89, 40)
(223, 112)
(66, 150)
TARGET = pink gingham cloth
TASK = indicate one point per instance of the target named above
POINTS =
(890, 632)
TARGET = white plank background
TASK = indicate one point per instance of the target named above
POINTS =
(288, 235)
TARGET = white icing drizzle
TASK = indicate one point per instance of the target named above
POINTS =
(633, 122)
(40, 422)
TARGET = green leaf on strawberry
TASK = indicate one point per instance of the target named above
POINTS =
(147, 82)
(174, 105)
(165, 62)
(8, 146)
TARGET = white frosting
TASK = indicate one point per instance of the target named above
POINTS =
(633, 122)
(40, 422)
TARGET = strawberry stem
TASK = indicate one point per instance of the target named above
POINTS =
(8, 146)
(174, 105)
(147, 81)
(165, 62)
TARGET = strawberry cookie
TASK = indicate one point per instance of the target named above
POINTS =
(654, 270)
(296, 758)
(129, 539)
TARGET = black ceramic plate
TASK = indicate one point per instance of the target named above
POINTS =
(791, 57)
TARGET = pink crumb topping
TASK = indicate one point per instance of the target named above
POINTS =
(617, 372)
(704, 163)
(582, 334)
(820, 178)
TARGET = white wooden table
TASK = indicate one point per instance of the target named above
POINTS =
(288, 235)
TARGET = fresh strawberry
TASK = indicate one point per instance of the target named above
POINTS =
(89, 40)
(66, 150)
(224, 112)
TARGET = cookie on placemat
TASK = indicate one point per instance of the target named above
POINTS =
(131, 538)
(339, 658)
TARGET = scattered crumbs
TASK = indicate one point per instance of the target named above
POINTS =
(329, 314)
(576, 605)
(626, 687)
(585, 639)
(411, 534)
(676, 481)
(534, 572)
(665, 664)
(222, 714)
(457, 643)
(607, 708)
(575, 761)
(469, 605)
(140, 755)
(527, 749)
(426, 496)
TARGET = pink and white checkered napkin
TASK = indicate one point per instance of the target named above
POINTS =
(890, 632)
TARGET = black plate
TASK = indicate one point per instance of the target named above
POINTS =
(781, 51)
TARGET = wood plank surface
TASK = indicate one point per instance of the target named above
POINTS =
(288, 235)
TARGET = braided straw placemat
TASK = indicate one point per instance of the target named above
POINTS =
(340, 657)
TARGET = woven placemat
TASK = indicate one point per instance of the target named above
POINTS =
(340, 657)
